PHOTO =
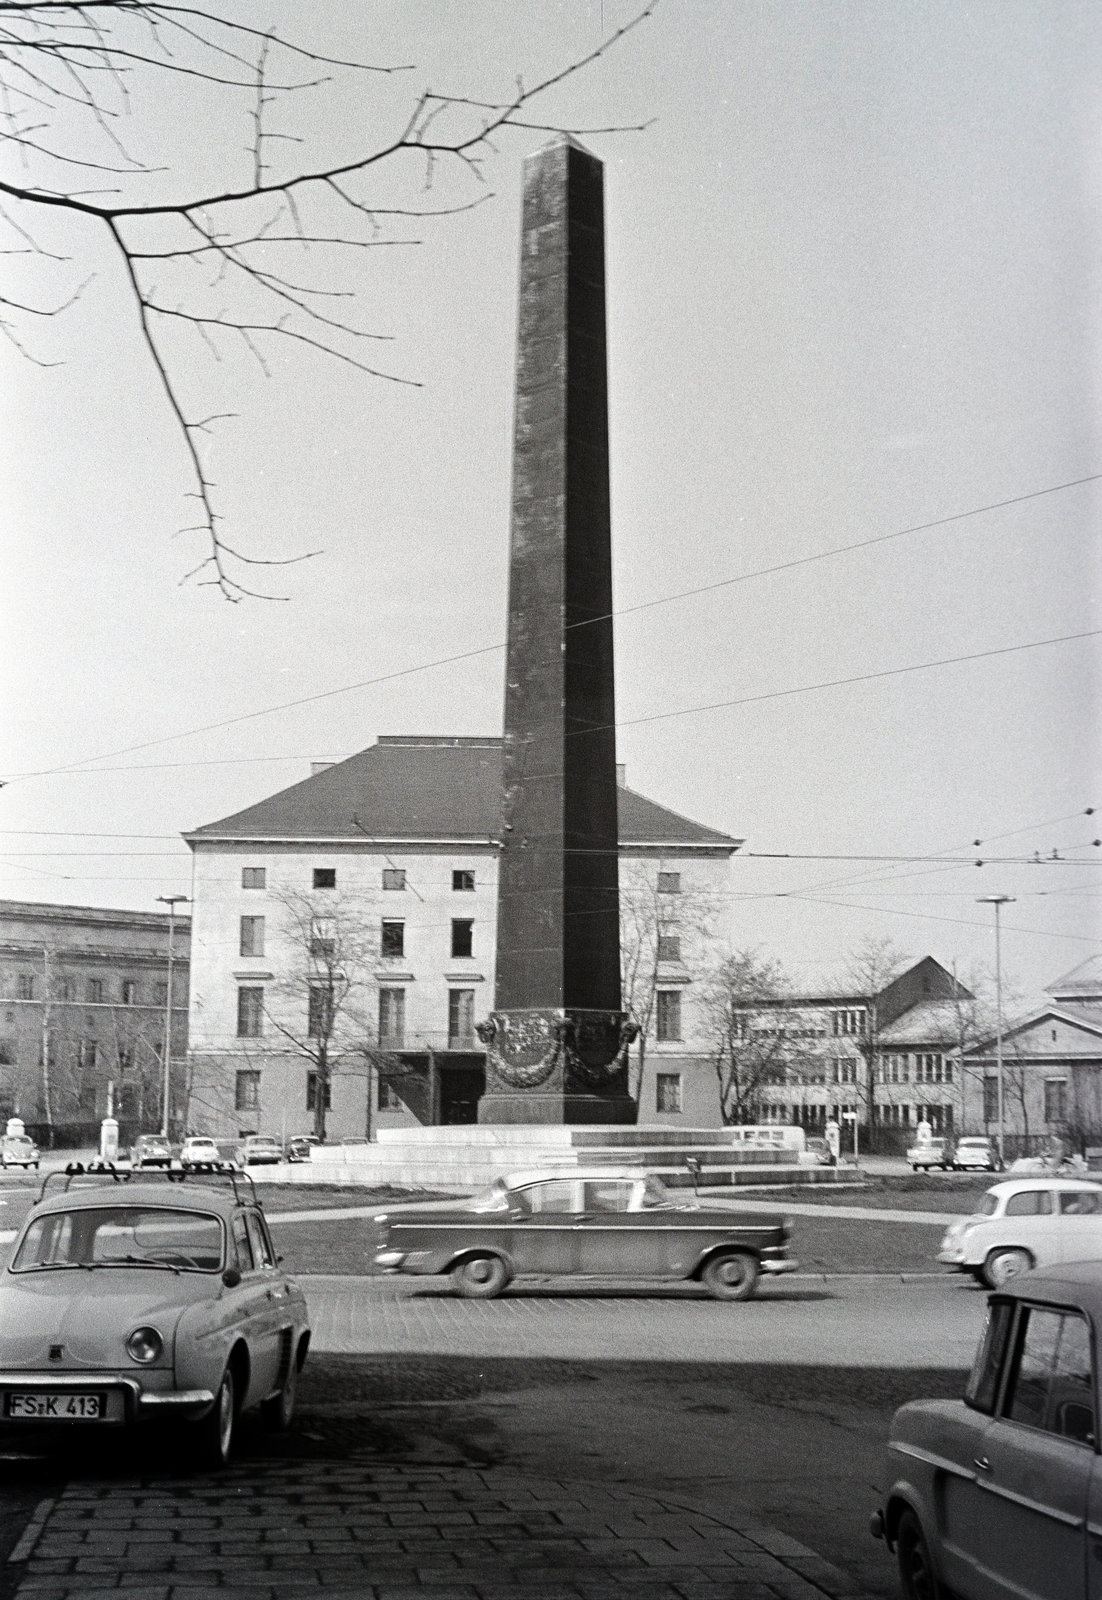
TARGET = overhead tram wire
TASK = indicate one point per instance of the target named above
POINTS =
(468, 655)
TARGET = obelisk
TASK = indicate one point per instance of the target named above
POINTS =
(557, 1039)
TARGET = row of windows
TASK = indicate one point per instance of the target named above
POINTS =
(64, 991)
(393, 878)
(392, 939)
(1056, 1100)
(928, 1067)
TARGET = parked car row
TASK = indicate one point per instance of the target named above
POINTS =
(153, 1150)
(973, 1154)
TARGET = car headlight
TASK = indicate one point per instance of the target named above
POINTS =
(144, 1345)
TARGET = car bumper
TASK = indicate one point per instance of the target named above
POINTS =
(127, 1402)
(786, 1264)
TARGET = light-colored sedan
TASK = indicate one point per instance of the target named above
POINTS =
(975, 1154)
(199, 1152)
(930, 1153)
(17, 1150)
(148, 1303)
(997, 1496)
(259, 1149)
(1023, 1223)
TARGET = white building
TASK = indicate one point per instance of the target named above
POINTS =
(393, 854)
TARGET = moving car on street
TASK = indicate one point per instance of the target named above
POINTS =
(997, 1495)
(1023, 1223)
(148, 1302)
(975, 1155)
(931, 1153)
(150, 1150)
(198, 1152)
(604, 1221)
(259, 1149)
(17, 1150)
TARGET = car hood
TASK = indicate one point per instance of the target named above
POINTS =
(90, 1312)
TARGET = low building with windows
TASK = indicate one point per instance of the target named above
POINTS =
(345, 932)
(83, 1016)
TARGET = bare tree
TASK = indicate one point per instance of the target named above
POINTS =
(753, 1033)
(648, 920)
(244, 261)
(870, 968)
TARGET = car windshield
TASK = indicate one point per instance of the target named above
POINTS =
(143, 1236)
(988, 1205)
(655, 1194)
(491, 1199)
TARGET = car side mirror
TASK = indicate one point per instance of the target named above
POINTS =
(231, 1277)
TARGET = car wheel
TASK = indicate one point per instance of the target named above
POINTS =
(916, 1572)
(480, 1278)
(1001, 1265)
(214, 1435)
(732, 1276)
(277, 1412)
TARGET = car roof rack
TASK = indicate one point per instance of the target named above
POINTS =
(105, 1172)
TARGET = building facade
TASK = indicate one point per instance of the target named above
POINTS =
(345, 936)
(84, 1015)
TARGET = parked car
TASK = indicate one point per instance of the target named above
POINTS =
(259, 1148)
(995, 1495)
(607, 1221)
(975, 1155)
(150, 1150)
(1023, 1223)
(932, 1153)
(181, 1312)
(17, 1150)
(817, 1152)
(299, 1148)
(199, 1152)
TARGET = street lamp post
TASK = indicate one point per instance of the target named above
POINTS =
(171, 901)
(998, 900)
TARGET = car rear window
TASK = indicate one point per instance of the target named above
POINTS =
(1080, 1203)
(190, 1241)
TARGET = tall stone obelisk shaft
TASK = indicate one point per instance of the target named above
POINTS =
(555, 1037)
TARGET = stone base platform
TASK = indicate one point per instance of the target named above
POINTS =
(470, 1157)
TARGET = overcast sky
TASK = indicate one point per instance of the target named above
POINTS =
(853, 280)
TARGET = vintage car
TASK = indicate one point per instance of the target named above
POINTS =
(150, 1150)
(299, 1148)
(999, 1495)
(931, 1153)
(259, 1149)
(17, 1150)
(1023, 1223)
(145, 1302)
(199, 1152)
(601, 1221)
(975, 1154)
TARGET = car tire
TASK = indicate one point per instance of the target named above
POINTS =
(480, 1277)
(1002, 1265)
(917, 1577)
(730, 1276)
(277, 1412)
(214, 1434)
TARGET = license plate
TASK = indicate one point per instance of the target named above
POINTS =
(57, 1407)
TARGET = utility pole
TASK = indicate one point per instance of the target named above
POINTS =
(998, 900)
(46, 1046)
(171, 901)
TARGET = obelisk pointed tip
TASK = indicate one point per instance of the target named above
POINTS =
(557, 140)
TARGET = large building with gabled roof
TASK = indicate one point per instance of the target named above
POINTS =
(369, 891)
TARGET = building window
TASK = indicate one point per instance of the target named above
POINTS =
(160, 994)
(991, 1099)
(312, 1092)
(66, 991)
(462, 936)
(388, 1097)
(668, 1097)
(254, 877)
(847, 1023)
(250, 1012)
(463, 881)
(322, 949)
(669, 947)
(128, 989)
(669, 883)
(460, 1018)
(26, 986)
(247, 1094)
(252, 936)
(319, 1011)
(87, 1051)
(394, 877)
(1056, 1099)
(669, 1015)
(394, 939)
(931, 1069)
(325, 877)
(95, 991)
(392, 1016)
(845, 1070)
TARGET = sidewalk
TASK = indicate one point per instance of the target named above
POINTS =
(350, 1531)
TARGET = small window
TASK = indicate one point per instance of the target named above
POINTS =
(325, 877)
(250, 1013)
(555, 1198)
(1030, 1203)
(462, 936)
(247, 1096)
(312, 1092)
(319, 1011)
(1056, 1100)
(388, 1097)
(463, 881)
(95, 991)
(1051, 1387)
(608, 1196)
(252, 936)
(669, 1092)
(1080, 1203)
(991, 1099)
(983, 1384)
(66, 991)
(669, 1015)
(241, 1245)
(460, 1018)
(392, 1017)
(160, 994)
(263, 1254)
(87, 1052)
(669, 883)
(128, 991)
(26, 986)
(254, 877)
(669, 947)
(394, 878)
(394, 939)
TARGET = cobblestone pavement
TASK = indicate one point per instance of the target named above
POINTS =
(281, 1531)
(874, 1321)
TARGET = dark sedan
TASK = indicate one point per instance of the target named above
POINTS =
(603, 1222)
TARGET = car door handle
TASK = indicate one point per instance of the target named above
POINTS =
(981, 1462)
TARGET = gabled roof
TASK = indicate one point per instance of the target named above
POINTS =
(421, 789)
(928, 1022)
(1081, 983)
(1086, 1018)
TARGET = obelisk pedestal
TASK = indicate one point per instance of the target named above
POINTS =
(557, 1040)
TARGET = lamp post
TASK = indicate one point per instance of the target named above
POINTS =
(998, 900)
(171, 901)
